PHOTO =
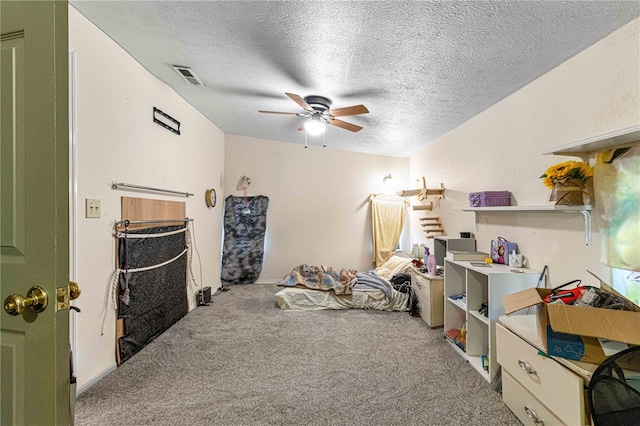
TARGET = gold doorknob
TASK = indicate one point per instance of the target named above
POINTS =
(37, 300)
(74, 290)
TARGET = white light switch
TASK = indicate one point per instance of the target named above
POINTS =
(92, 208)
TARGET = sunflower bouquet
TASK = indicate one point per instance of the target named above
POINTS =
(567, 170)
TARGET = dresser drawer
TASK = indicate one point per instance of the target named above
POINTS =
(528, 409)
(421, 287)
(424, 308)
(555, 386)
(430, 288)
(431, 313)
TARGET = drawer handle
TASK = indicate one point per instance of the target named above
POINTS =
(526, 367)
(418, 285)
(533, 415)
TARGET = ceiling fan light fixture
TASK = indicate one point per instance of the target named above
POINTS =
(318, 114)
(314, 126)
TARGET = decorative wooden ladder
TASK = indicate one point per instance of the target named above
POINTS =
(432, 226)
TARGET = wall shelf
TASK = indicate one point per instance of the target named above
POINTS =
(584, 210)
(617, 139)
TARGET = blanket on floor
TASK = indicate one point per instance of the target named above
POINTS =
(321, 278)
(370, 280)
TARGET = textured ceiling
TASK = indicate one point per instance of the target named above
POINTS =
(422, 68)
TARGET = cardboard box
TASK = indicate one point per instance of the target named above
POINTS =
(575, 332)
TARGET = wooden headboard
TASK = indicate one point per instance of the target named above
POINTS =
(149, 209)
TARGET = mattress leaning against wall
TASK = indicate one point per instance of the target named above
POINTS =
(152, 300)
(245, 226)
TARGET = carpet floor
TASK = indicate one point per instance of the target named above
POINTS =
(244, 361)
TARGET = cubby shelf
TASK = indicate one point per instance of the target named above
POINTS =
(481, 285)
(584, 210)
(481, 317)
(458, 303)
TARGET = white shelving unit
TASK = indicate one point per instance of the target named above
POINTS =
(481, 285)
(584, 210)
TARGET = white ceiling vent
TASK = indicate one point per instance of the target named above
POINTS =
(188, 74)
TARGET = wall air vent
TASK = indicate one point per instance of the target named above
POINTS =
(188, 75)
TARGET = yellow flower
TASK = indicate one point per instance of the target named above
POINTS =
(567, 170)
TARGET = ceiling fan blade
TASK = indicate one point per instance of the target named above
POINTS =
(352, 110)
(345, 125)
(278, 112)
(297, 99)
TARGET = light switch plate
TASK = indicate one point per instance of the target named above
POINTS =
(92, 208)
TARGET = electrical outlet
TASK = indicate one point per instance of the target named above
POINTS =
(92, 208)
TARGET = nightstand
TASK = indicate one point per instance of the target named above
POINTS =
(429, 291)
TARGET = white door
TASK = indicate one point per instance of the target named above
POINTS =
(34, 184)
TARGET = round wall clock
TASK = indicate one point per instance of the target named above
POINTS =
(210, 197)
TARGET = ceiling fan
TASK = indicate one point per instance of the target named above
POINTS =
(318, 113)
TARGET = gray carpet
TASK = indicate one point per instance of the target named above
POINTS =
(243, 361)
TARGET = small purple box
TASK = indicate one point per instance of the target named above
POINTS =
(489, 199)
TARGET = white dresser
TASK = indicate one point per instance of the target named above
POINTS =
(429, 291)
(537, 388)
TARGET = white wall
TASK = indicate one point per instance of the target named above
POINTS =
(118, 141)
(319, 209)
(595, 92)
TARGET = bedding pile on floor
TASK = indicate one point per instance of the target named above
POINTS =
(310, 287)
